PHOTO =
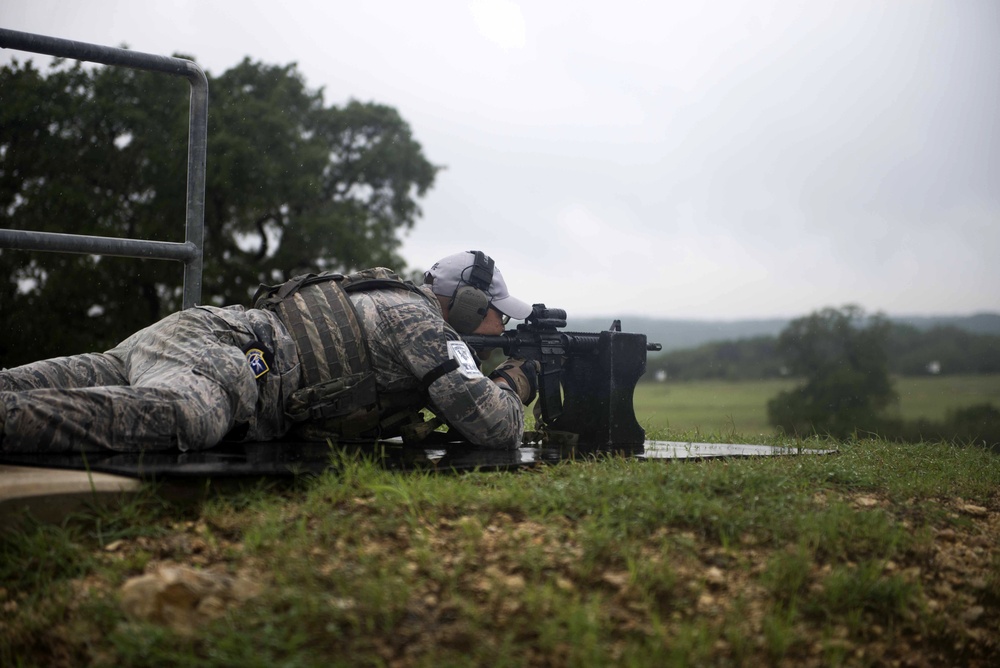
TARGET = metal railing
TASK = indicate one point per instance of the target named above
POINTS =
(190, 252)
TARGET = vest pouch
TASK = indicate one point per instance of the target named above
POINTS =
(332, 399)
(360, 424)
(343, 407)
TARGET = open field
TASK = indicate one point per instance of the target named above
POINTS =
(880, 555)
(741, 406)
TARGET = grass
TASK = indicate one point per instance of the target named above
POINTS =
(872, 556)
(741, 406)
(933, 397)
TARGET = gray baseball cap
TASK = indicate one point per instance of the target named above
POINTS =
(449, 273)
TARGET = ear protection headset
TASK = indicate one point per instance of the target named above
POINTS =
(472, 298)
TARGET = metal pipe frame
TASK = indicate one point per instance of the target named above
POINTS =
(191, 252)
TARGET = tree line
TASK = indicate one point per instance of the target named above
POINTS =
(841, 360)
(944, 350)
(293, 185)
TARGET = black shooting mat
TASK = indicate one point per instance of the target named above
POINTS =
(286, 458)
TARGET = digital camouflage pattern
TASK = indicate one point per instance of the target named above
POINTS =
(320, 319)
(408, 338)
(185, 382)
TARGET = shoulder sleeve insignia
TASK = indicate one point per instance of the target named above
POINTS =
(259, 358)
(467, 367)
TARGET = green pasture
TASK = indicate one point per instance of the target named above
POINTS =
(713, 406)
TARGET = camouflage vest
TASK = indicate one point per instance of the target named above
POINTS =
(338, 397)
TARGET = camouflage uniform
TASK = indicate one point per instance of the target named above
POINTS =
(408, 339)
(185, 382)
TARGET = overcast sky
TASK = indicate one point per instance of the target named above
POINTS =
(716, 160)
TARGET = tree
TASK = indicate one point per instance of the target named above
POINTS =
(292, 185)
(740, 359)
(842, 357)
(953, 350)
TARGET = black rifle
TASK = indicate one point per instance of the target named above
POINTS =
(586, 380)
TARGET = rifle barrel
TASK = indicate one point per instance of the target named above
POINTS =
(511, 341)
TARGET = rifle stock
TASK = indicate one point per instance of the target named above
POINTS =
(586, 380)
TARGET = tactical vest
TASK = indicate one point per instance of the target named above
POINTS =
(338, 396)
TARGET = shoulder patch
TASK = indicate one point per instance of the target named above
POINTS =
(259, 358)
(459, 351)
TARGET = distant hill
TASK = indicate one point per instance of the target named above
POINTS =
(977, 323)
(680, 334)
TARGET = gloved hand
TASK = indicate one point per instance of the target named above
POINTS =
(521, 375)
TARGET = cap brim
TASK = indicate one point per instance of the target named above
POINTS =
(512, 306)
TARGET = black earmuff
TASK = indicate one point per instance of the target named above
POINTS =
(472, 298)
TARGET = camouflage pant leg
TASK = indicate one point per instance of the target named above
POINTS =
(86, 370)
(188, 385)
(116, 417)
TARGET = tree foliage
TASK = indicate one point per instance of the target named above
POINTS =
(841, 355)
(292, 185)
(755, 358)
(944, 350)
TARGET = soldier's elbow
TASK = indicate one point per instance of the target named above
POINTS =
(506, 436)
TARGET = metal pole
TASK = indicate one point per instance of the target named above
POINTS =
(192, 251)
(91, 245)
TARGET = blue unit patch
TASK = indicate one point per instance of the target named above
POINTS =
(257, 359)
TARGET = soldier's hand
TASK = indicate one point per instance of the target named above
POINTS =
(521, 375)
